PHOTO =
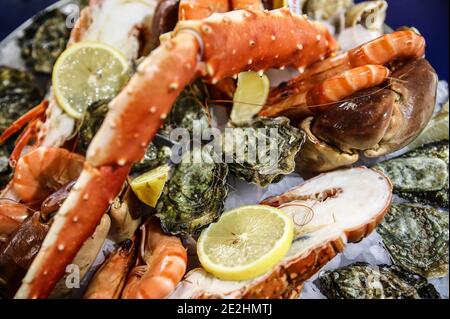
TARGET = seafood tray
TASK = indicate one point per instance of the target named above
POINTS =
(106, 106)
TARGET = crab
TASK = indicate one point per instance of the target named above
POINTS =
(372, 100)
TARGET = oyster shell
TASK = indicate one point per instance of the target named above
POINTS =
(18, 94)
(421, 176)
(44, 40)
(326, 9)
(363, 281)
(266, 166)
(194, 194)
(190, 106)
(370, 14)
(417, 239)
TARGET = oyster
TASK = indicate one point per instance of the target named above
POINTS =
(370, 14)
(277, 144)
(326, 9)
(44, 40)
(363, 281)
(189, 107)
(417, 239)
(421, 175)
(154, 156)
(18, 94)
(194, 194)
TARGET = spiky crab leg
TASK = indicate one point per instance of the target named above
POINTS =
(227, 43)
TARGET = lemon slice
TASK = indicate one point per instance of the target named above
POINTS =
(246, 242)
(436, 130)
(88, 72)
(251, 95)
(149, 186)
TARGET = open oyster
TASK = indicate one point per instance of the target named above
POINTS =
(44, 40)
(421, 175)
(363, 281)
(344, 207)
(18, 94)
(194, 194)
(417, 239)
(264, 150)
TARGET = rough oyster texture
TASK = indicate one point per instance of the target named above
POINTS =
(195, 193)
(363, 281)
(417, 239)
(264, 150)
(189, 110)
(421, 176)
(44, 40)
(18, 94)
(154, 156)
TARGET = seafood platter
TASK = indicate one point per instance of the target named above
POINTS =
(238, 149)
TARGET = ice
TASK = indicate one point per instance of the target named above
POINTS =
(310, 291)
(283, 186)
(442, 93)
(441, 285)
(242, 193)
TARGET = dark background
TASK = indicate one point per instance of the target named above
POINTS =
(431, 17)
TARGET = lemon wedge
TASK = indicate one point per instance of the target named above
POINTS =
(246, 242)
(88, 72)
(148, 187)
(251, 95)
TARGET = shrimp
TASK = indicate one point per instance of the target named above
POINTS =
(165, 263)
(109, 280)
(380, 51)
(43, 171)
(331, 90)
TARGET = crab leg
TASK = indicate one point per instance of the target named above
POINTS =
(247, 4)
(231, 43)
(200, 9)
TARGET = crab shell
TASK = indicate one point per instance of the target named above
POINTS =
(348, 205)
(377, 121)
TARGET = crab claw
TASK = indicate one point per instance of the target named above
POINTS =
(318, 156)
(347, 205)
(376, 121)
